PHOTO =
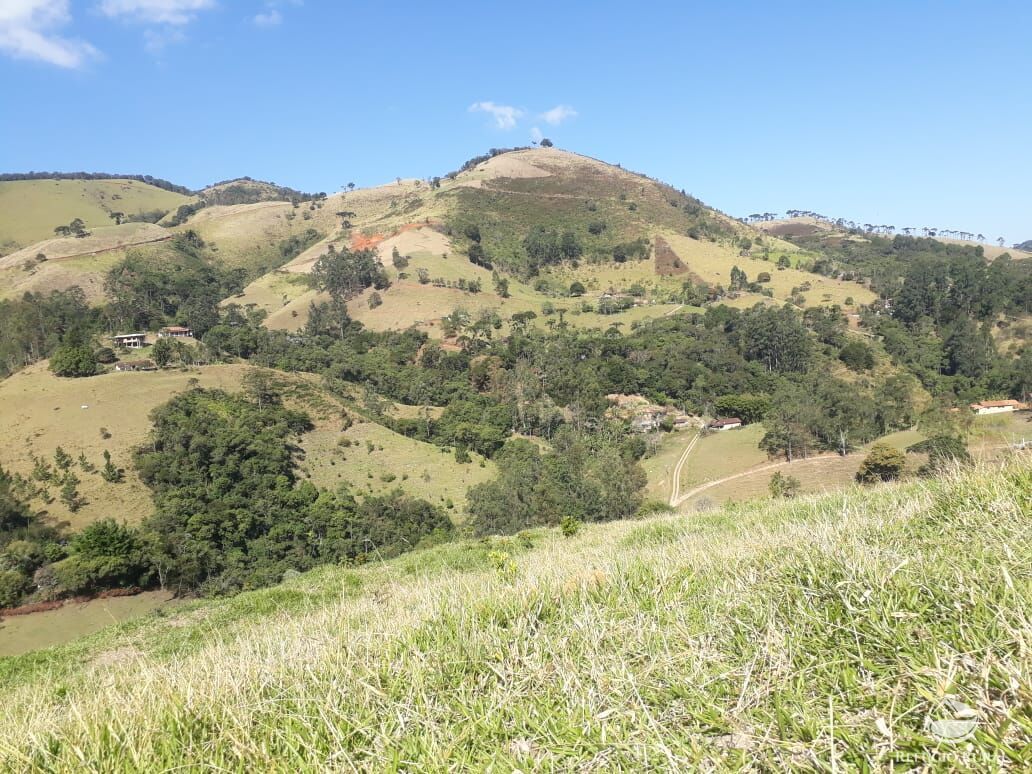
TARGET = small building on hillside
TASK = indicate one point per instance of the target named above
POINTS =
(175, 332)
(130, 340)
(136, 365)
(729, 423)
(683, 422)
(996, 406)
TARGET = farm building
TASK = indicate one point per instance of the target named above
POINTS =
(996, 406)
(136, 365)
(730, 423)
(130, 340)
(175, 332)
(683, 421)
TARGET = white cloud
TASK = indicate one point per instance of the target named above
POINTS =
(536, 135)
(269, 18)
(157, 39)
(505, 116)
(26, 32)
(558, 114)
(155, 11)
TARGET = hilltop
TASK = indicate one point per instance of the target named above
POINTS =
(503, 214)
(871, 628)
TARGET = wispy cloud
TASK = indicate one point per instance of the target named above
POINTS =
(505, 116)
(558, 114)
(269, 18)
(177, 12)
(27, 32)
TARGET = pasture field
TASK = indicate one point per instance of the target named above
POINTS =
(819, 633)
(25, 633)
(714, 266)
(378, 460)
(31, 209)
(42, 411)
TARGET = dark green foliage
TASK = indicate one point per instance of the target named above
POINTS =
(942, 451)
(110, 473)
(293, 246)
(882, 463)
(105, 554)
(586, 478)
(13, 586)
(147, 293)
(32, 326)
(748, 408)
(26, 543)
(346, 273)
(857, 356)
(183, 213)
(230, 512)
(775, 337)
(783, 486)
(74, 361)
(246, 190)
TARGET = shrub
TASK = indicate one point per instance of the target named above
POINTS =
(783, 486)
(883, 463)
(857, 356)
(13, 586)
(105, 355)
(570, 526)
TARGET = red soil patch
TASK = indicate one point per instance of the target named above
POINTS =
(367, 242)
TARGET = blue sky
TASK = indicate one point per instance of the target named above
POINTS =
(901, 113)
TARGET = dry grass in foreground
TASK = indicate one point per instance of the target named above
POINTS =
(855, 630)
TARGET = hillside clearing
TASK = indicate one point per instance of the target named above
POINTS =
(782, 636)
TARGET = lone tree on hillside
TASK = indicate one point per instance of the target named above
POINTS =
(118, 217)
(883, 463)
(545, 143)
(73, 361)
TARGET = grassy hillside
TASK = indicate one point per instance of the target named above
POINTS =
(506, 197)
(30, 209)
(42, 412)
(64, 262)
(851, 631)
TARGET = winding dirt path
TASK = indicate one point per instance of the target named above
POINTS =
(677, 500)
(675, 486)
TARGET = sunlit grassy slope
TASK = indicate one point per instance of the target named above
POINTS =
(840, 632)
(30, 209)
(42, 411)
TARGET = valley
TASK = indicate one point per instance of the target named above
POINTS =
(540, 374)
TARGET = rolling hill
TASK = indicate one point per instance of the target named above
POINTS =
(31, 209)
(507, 196)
